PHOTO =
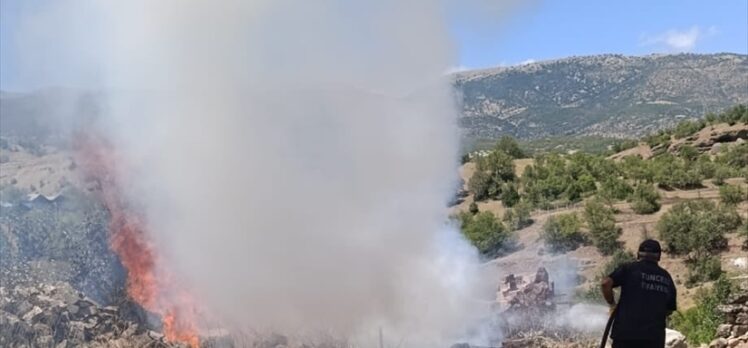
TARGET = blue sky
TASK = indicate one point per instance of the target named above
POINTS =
(560, 28)
(537, 30)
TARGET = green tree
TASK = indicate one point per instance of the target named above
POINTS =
(519, 216)
(473, 208)
(563, 232)
(732, 195)
(688, 152)
(735, 156)
(479, 184)
(645, 199)
(499, 164)
(587, 183)
(510, 147)
(710, 118)
(697, 228)
(721, 174)
(602, 225)
(465, 158)
(574, 191)
(637, 169)
(509, 195)
(743, 232)
(704, 269)
(705, 167)
(614, 189)
(686, 128)
(486, 232)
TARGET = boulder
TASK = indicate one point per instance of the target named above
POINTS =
(718, 343)
(739, 330)
(724, 330)
(675, 339)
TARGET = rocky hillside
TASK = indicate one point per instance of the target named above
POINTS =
(608, 95)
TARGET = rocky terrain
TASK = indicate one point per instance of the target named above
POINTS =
(734, 333)
(608, 95)
(58, 316)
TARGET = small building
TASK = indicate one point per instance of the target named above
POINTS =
(38, 200)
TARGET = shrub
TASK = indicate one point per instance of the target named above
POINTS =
(704, 269)
(486, 232)
(479, 184)
(688, 152)
(587, 183)
(562, 232)
(738, 113)
(624, 145)
(705, 167)
(645, 199)
(734, 156)
(635, 168)
(686, 128)
(465, 158)
(732, 195)
(574, 192)
(518, 217)
(721, 174)
(699, 323)
(602, 225)
(697, 226)
(473, 208)
(509, 195)
(523, 211)
(510, 147)
(660, 138)
(684, 179)
(614, 189)
(499, 164)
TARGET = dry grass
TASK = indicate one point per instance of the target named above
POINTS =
(635, 228)
(46, 174)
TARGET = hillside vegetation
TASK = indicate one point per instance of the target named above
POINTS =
(597, 209)
(607, 95)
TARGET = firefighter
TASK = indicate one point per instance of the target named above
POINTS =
(647, 298)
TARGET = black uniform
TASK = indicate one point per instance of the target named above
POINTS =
(647, 297)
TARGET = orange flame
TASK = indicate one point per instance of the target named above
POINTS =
(130, 242)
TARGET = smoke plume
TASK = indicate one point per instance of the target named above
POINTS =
(293, 159)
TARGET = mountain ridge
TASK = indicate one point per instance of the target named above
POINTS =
(609, 95)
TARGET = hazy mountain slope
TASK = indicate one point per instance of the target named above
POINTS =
(610, 95)
(46, 116)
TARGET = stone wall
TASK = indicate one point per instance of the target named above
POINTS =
(734, 332)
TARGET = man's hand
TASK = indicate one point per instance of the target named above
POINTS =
(611, 309)
(607, 289)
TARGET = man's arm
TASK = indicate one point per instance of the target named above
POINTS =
(607, 289)
(672, 304)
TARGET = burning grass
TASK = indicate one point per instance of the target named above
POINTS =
(148, 284)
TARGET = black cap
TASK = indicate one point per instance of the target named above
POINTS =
(650, 246)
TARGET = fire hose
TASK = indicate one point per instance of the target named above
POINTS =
(608, 325)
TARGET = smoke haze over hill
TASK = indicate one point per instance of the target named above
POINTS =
(292, 159)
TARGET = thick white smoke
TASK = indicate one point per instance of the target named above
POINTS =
(300, 155)
(294, 158)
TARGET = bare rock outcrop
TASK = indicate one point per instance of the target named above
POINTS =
(57, 316)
